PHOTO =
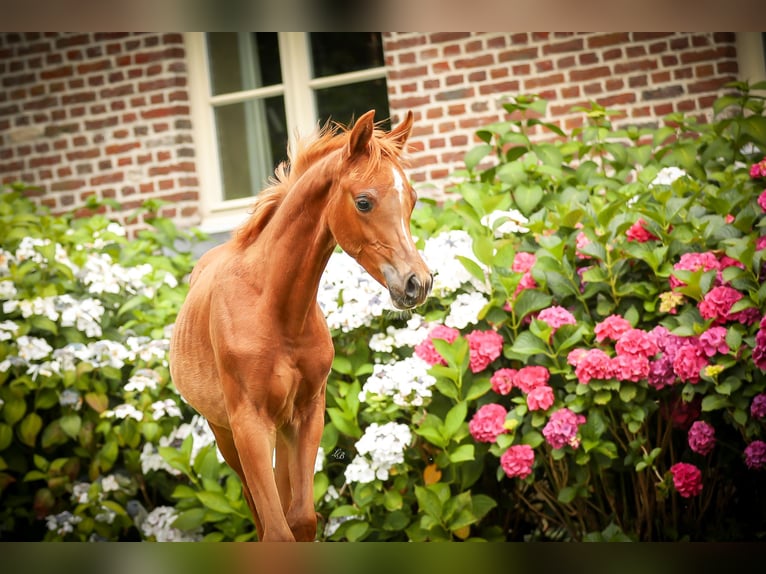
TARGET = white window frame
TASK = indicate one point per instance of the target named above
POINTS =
(750, 57)
(297, 88)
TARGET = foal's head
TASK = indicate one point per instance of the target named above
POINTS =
(372, 205)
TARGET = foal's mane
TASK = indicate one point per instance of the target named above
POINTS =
(308, 151)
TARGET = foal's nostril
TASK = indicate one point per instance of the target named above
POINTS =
(412, 288)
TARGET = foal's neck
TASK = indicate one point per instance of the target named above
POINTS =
(287, 260)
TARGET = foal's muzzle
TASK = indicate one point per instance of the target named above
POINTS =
(410, 290)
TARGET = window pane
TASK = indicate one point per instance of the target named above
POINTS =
(252, 139)
(338, 53)
(346, 103)
(243, 61)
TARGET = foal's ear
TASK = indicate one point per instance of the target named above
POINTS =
(401, 133)
(361, 134)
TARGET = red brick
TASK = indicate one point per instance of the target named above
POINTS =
(67, 185)
(447, 37)
(121, 148)
(107, 178)
(520, 54)
(569, 46)
(635, 66)
(484, 60)
(608, 39)
(589, 73)
(61, 72)
(91, 67)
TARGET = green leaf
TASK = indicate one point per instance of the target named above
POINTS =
(356, 531)
(6, 436)
(428, 502)
(715, 402)
(29, 428)
(71, 425)
(526, 345)
(190, 519)
(462, 453)
(528, 197)
(14, 409)
(567, 494)
(344, 423)
(216, 501)
(455, 417)
(628, 392)
(529, 301)
(474, 156)
(533, 438)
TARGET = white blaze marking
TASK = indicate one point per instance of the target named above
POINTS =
(399, 187)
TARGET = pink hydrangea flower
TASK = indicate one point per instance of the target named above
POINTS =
(760, 243)
(762, 200)
(639, 233)
(612, 328)
(636, 342)
(693, 262)
(759, 352)
(426, 350)
(688, 363)
(758, 169)
(531, 377)
(502, 381)
(701, 437)
(758, 406)
(517, 461)
(488, 423)
(630, 367)
(523, 262)
(713, 341)
(581, 242)
(526, 282)
(755, 454)
(540, 398)
(687, 479)
(595, 364)
(717, 303)
(575, 356)
(561, 429)
(556, 316)
(484, 347)
(661, 373)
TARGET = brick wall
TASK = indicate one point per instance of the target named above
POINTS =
(454, 82)
(103, 114)
(108, 114)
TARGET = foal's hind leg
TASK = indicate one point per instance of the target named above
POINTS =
(225, 442)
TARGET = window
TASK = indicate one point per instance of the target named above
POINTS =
(251, 91)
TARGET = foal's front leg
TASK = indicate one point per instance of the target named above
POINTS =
(255, 439)
(301, 439)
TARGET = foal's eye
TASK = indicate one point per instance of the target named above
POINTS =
(363, 204)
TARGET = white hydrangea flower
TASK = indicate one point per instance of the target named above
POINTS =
(440, 254)
(6, 258)
(348, 296)
(7, 330)
(667, 175)
(109, 484)
(70, 398)
(465, 309)
(168, 407)
(33, 348)
(319, 461)
(7, 292)
(81, 492)
(406, 382)
(514, 222)
(124, 411)
(393, 338)
(158, 524)
(380, 448)
(143, 379)
(62, 523)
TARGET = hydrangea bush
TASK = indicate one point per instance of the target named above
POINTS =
(590, 365)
